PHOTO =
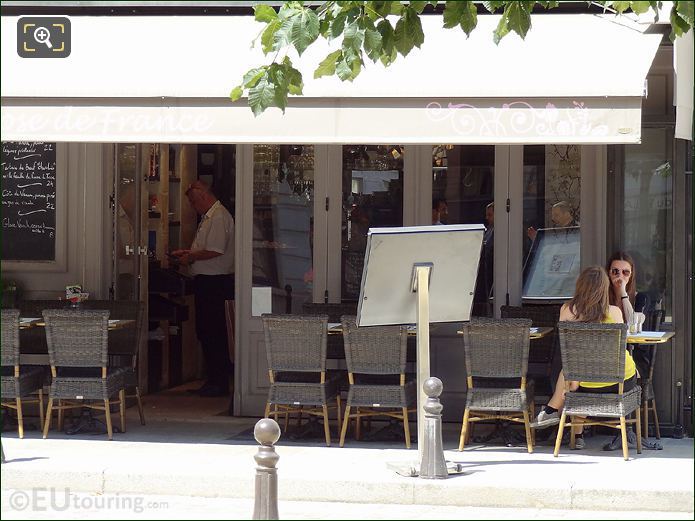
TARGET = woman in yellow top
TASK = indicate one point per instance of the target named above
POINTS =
(589, 304)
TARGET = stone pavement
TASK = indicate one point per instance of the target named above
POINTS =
(205, 453)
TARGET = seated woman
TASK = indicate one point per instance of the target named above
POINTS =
(589, 304)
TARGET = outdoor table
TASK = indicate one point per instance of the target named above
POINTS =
(28, 322)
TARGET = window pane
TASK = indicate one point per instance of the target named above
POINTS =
(647, 215)
(463, 192)
(283, 218)
(552, 182)
(372, 198)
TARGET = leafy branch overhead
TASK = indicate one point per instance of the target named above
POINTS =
(381, 31)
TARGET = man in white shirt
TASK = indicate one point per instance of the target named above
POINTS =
(211, 262)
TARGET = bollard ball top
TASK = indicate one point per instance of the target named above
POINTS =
(266, 431)
(433, 387)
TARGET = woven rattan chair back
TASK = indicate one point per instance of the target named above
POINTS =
(593, 352)
(77, 338)
(497, 348)
(122, 341)
(334, 311)
(10, 337)
(296, 342)
(374, 349)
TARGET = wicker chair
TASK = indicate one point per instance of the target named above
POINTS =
(596, 353)
(78, 353)
(376, 359)
(18, 381)
(496, 351)
(542, 350)
(124, 343)
(296, 350)
(653, 321)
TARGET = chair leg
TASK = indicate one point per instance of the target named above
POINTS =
(573, 436)
(107, 413)
(20, 420)
(358, 425)
(529, 436)
(141, 411)
(340, 415)
(656, 420)
(638, 428)
(287, 418)
(61, 415)
(645, 417)
(41, 414)
(121, 407)
(299, 419)
(623, 434)
(532, 414)
(406, 428)
(464, 428)
(326, 425)
(560, 430)
(267, 410)
(48, 417)
(346, 422)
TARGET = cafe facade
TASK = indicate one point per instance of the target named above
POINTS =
(140, 108)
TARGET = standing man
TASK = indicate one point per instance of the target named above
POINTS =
(211, 262)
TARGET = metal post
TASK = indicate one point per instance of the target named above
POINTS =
(433, 465)
(267, 433)
(421, 285)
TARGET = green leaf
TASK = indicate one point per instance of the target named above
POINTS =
(501, 31)
(268, 39)
(518, 18)
(493, 6)
(305, 30)
(469, 18)
(418, 6)
(640, 6)
(464, 14)
(353, 36)
(252, 77)
(236, 93)
(327, 66)
(679, 26)
(549, 4)
(383, 9)
(295, 81)
(343, 70)
(338, 25)
(261, 96)
(686, 10)
(621, 6)
(408, 32)
(264, 13)
(372, 43)
(388, 37)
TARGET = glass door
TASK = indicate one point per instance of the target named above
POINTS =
(463, 190)
(128, 223)
(372, 197)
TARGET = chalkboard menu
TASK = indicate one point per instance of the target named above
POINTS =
(28, 200)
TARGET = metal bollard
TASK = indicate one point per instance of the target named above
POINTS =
(433, 465)
(267, 433)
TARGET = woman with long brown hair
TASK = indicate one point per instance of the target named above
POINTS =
(591, 303)
(623, 294)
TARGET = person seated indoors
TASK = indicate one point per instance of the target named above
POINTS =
(590, 304)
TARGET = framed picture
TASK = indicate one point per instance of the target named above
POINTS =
(552, 265)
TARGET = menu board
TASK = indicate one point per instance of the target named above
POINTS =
(28, 200)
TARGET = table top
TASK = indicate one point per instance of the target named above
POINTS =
(534, 332)
(650, 337)
(28, 322)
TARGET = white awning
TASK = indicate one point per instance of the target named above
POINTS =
(166, 79)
